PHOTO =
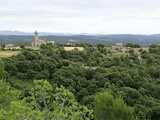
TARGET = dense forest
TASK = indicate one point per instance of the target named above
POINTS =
(94, 84)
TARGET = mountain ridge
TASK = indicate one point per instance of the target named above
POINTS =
(16, 32)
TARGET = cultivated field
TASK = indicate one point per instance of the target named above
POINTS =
(136, 51)
(72, 48)
(8, 53)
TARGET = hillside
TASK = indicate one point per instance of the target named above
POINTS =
(142, 40)
(93, 79)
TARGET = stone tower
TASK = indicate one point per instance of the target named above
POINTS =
(36, 35)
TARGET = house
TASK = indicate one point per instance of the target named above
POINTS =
(50, 42)
(124, 50)
(119, 45)
(113, 47)
(71, 42)
(9, 46)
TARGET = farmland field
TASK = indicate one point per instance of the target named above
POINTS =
(8, 53)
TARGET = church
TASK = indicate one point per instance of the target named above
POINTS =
(38, 42)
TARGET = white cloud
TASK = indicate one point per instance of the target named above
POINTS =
(77, 16)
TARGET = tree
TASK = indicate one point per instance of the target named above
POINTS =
(7, 94)
(22, 46)
(1, 69)
(116, 60)
(64, 54)
(154, 48)
(100, 46)
(68, 108)
(131, 51)
(56, 103)
(129, 45)
(45, 103)
(136, 46)
(156, 113)
(109, 108)
(132, 45)
(19, 110)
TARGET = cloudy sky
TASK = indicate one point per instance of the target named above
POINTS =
(81, 16)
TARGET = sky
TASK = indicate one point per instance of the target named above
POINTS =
(81, 16)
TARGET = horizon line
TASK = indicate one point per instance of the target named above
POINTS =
(79, 33)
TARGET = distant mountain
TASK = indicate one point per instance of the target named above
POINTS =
(21, 33)
(109, 40)
(9, 32)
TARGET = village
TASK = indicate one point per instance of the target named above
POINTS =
(35, 45)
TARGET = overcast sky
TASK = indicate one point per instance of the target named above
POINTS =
(81, 16)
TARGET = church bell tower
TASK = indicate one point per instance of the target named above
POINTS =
(36, 35)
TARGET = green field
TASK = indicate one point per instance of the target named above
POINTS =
(8, 53)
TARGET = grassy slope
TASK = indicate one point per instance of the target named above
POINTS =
(8, 53)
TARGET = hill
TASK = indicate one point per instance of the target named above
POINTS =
(143, 40)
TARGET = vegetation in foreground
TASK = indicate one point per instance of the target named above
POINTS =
(128, 82)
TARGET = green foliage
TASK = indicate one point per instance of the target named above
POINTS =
(100, 46)
(7, 94)
(109, 108)
(43, 103)
(1, 69)
(131, 51)
(18, 110)
(22, 46)
(134, 77)
(129, 45)
(132, 45)
(64, 54)
(154, 48)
